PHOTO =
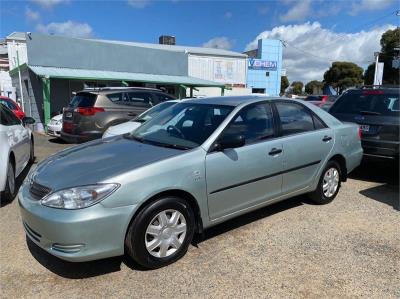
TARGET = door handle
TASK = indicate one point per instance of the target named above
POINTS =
(275, 151)
(326, 138)
(132, 114)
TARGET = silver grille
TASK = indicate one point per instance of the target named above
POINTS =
(38, 191)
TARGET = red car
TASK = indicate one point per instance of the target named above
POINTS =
(13, 106)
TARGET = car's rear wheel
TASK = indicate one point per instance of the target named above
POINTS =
(328, 185)
(9, 192)
(161, 233)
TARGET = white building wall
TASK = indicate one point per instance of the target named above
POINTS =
(216, 92)
(6, 88)
(226, 70)
(14, 47)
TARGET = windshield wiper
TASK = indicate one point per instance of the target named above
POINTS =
(169, 145)
(139, 120)
(133, 137)
(369, 113)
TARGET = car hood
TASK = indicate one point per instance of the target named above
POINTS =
(97, 161)
(123, 128)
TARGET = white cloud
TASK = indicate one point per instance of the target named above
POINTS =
(311, 49)
(371, 5)
(69, 28)
(48, 3)
(298, 12)
(31, 15)
(138, 3)
(219, 43)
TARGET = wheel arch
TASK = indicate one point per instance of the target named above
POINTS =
(341, 160)
(189, 198)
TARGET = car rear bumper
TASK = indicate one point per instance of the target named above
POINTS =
(82, 137)
(380, 149)
(75, 235)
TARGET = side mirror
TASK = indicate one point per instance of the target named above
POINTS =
(28, 120)
(229, 141)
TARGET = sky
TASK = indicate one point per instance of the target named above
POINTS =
(315, 33)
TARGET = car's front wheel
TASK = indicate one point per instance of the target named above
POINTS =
(161, 233)
(328, 185)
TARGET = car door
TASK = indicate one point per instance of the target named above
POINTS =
(306, 141)
(243, 177)
(18, 139)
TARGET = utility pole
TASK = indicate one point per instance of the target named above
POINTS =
(19, 75)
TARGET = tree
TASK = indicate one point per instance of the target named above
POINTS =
(343, 74)
(314, 85)
(389, 41)
(284, 84)
(297, 87)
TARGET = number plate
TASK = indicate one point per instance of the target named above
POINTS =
(364, 128)
(68, 114)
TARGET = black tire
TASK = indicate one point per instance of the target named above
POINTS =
(136, 236)
(9, 192)
(318, 195)
(32, 153)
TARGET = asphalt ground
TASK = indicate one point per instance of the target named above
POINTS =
(294, 249)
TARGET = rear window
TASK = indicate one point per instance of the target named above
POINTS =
(8, 104)
(367, 102)
(83, 100)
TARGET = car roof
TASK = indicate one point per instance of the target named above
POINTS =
(233, 100)
(108, 90)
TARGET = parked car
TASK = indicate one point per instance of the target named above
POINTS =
(13, 106)
(376, 110)
(195, 165)
(16, 150)
(322, 101)
(135, 123)
(55, 126)
(92, 112)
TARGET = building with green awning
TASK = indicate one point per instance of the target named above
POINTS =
(59, 66)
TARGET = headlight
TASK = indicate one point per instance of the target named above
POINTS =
(79, 197)
(59, 122)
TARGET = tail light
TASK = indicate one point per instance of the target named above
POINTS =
(88, 111)
(324, 98)
(372, 92)
(67, 127)
(359, 133)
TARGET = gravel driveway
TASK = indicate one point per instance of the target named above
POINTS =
(349, 248)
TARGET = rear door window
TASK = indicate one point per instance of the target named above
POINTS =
(138, 98)
(294, 118)
(83, 99)
(373, 102)
(161, 97)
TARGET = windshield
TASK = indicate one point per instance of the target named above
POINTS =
(153, 111)
(182, 126)
(8, 104)
(375, 102)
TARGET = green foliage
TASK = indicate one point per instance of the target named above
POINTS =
(315, 84)
(389, 41)
(343, 74)
(284, 84)
(297, 87)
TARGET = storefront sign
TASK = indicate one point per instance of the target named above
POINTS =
(258, 64)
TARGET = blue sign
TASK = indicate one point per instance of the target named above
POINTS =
(259, 64)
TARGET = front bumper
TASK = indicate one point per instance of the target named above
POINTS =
(75, 235)
(54, 130)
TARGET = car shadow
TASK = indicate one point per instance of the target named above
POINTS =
(73, 270)
(20, 179)
(380, 171)
(57, 140)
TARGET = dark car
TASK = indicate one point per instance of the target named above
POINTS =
(323, 101)
(376, 110)
(92, 112)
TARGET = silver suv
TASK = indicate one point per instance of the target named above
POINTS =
(91, 112)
